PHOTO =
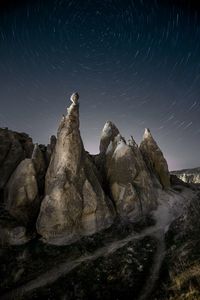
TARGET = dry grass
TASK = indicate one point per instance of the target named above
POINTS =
(189, 278)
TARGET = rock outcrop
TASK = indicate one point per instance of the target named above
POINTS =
(188, 175)
(50, 148)
(40, 165)
(75, 203)
(154, 159)
(128, 179)
(21, 193)
(14, 147)
(13, 235)
(109, 132)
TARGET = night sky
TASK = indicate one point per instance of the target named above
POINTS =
(136, 63)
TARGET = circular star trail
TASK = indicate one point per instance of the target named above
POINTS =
(136, 63)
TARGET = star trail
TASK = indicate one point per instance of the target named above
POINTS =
(136, 63)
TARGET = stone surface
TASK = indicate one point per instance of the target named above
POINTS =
(50, 149)
(22, 200)
(13, 235)
(108, 134)
(74, 98)
(38, 160)
(154, 158)
(74, 203)
(40, 165)
(127, 176)
(14, 147)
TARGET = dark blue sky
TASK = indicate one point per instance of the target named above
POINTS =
(136, 63)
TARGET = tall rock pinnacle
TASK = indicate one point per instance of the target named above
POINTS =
(75, 203)
(155, 159)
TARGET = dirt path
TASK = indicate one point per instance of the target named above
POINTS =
(170, 207)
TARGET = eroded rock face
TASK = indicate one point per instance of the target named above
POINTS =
(108, 134)
(38, 160)
(40, 165)
(50, 149)
(154, 158)
(22, 199)
(188, 175)
(14, 147)
(75, 203)
(144, 181)
(13, 235)
(129, 181)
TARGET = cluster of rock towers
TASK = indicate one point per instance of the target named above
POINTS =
(63, 193)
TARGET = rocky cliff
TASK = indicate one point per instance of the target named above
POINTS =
(188, 175)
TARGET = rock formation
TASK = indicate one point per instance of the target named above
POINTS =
(13, 235)
(154, 159)
(129, 181)
(66, 193)
(108, 134)
(188, 175)
(50, 149)
(22, 199)
(14, 147)
(60, 193)
(74, 203)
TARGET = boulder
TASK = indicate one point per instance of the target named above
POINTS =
(74, 204)
(154, 159)
(13, 235)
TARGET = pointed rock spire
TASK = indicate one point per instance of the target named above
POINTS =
(74, 203)
(155, 159)
(108, 134)
(147, 134)
(74, 98)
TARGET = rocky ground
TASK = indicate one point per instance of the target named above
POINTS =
(36, 262)
(180, 273)
(131, 261)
